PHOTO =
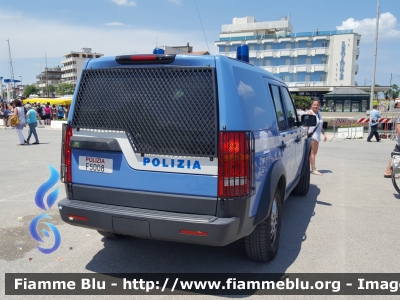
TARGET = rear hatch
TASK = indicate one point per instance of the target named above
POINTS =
(146, 130)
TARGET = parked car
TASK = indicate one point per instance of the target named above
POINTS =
(184, 148)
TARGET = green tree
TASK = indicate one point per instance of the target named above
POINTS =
(48, 90)
(65, 89)
(393, 92)
(300, 101)
(30, 89)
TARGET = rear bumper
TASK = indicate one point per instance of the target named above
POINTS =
(148, 223)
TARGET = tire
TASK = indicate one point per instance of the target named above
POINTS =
(303, 185)
(395, 181)
(263, 243)
(110, 235)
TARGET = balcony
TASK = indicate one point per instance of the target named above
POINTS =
(270, 69)
(306, 83)
(301, 68)
(70, 74)
(324, 51)
(284, 69)
(282, 35)
(319, 68)
(268, 53)
(285, 52)
(302, 51)
(357, 53)
(67, 60)
(357, 68)
(229, 54)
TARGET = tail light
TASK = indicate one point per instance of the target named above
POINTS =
(66, 154)
(235, 164)
(145, 59)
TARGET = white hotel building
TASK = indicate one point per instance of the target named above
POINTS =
(73, 63)
(311, 62)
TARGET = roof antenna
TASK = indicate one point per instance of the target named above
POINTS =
(195, 1)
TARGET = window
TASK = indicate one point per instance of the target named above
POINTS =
(226, 48)
(322, 78)
(90, 56)
(279, 110)
(268, 62)
(291, 110)
(324, 44)
(307, 78)
(251, 48)
(323, 60)
(268, 47)
(84, 55)
(287, 61)
(288, 46)
(309, 44)
(286, 78)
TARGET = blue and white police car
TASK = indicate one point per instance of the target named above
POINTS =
(185, 148)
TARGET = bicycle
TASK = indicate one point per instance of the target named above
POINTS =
(396, 170)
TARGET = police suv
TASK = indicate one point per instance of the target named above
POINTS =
(184, 148)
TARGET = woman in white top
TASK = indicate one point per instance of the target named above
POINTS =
(19, 110)
(316, 137)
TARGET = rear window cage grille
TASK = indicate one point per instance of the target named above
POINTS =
(163, 110)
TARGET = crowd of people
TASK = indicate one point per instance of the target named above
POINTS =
(45, 112)
(19, 116)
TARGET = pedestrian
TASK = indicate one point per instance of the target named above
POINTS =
(388, 170)
(60, 112)
(39, 110)
(47, 116)
(19, 111)
(31, 118)
(54, 112)
(374, 116)
(66, 111)
(5, 113)
(316, 134)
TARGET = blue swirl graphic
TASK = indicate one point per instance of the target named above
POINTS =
(45, 187)
(35, 234)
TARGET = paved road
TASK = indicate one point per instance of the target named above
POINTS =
(349, 222)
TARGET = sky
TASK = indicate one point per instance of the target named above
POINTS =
(40, 29)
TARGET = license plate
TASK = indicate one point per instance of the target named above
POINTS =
(95, 164)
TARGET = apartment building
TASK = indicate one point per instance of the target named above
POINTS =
(50, 76)
(311, 63)
(73, 62)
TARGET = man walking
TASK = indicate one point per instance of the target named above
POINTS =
(374, 116)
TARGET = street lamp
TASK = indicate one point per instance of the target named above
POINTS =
(391, 77)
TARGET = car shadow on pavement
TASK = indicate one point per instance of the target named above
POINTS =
(137, 255)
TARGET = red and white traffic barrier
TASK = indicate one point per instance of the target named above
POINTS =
(380, 120)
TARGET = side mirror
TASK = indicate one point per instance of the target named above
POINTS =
(308, 120)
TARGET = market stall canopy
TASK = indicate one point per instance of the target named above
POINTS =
(56, 101)
(348, 93)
